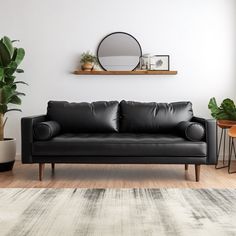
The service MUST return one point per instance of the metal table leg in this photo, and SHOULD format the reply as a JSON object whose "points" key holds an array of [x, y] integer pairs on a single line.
{"points": [[223, 133], [230, 155]]}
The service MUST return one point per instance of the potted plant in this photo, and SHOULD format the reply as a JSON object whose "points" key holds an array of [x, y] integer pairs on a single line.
{"points": [[226, 111], [10, 58], [88, 61]]}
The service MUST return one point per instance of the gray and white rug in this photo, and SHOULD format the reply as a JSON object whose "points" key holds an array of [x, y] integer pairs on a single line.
{"points": [[117, 212]]}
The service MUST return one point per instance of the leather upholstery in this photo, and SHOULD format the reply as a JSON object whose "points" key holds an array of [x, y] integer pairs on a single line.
{"points": [[119, 144], [120, 159], [119, 147], [210, 138], [46, 130], [82, 117], [153, 117], [192, 131], [27, 136]]}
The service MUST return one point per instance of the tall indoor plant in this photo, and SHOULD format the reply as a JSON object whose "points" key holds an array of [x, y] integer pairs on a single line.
{"points": [[10, 58]]}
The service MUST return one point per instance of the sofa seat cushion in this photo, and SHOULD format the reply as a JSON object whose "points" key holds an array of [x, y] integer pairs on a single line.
{"points": [[119, 144]]}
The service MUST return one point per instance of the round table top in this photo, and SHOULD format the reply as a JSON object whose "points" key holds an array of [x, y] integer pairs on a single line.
{"points": [[232, 131], [226, 124]]}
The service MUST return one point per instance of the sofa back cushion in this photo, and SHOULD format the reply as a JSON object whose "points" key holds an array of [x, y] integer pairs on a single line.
{"points": [[153, 117], [95, 117]]}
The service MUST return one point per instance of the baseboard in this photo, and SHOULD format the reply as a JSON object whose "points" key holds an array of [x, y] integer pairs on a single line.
{"points": [[18, 156]]}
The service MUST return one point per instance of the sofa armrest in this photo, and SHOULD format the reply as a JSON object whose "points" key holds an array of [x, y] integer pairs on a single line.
{"points": [[27, 136], [211, 138]]}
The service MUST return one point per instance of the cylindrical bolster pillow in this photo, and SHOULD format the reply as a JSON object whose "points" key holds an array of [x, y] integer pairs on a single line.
{"points": [[192, 131], [46, 130]]}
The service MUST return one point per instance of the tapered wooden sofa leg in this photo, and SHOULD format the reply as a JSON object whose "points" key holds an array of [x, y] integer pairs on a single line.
{"points": [[41, 170], [53, 166], [197, 172], [186, 166]]}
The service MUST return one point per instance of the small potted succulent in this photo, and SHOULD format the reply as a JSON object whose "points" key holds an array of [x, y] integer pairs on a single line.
{"points": [[10, 58], [88, 60]]}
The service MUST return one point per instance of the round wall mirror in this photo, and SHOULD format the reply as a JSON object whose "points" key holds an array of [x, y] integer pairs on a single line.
{"points": [[119, 51]]}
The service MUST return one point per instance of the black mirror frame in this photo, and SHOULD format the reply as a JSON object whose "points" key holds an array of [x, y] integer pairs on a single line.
{"points": [[118, 32]]}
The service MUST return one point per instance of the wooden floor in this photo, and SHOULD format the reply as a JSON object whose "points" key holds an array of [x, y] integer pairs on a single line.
{"points": [[116, 176]]}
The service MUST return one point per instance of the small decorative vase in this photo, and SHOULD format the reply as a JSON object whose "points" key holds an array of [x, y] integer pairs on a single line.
{"points": [[88, 66]]}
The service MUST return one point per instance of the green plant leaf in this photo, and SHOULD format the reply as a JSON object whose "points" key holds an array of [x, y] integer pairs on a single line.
{"points": [[1, 74], [229, 108], [9, 79], [20, 82], [221, 115], [88, 57], [3, 108], [19, 71], [5, 57], [226, 111], [228, 104], [212, 105], [18, 56], [15, 100], [15, 109], [19, 94], [10, 58], [7, 42], [14, 87], [7, 92], [11, 68]]}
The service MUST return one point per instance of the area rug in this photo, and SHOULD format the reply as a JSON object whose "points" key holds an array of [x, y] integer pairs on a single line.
{"points": [[117, 212]]}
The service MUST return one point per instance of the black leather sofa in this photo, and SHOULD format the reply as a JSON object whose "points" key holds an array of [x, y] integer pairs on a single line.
{"points": [[113, 132]]}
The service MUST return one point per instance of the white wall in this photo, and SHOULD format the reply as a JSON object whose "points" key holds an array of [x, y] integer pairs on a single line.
{"points": [[199, 35]]}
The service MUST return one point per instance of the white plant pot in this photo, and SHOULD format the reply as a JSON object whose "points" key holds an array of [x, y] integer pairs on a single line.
{"points": [[7, 154]]}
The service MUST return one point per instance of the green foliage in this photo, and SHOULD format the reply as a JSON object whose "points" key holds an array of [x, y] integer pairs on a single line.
{"points": [[88, 57], [10, 59], [226, 111]]}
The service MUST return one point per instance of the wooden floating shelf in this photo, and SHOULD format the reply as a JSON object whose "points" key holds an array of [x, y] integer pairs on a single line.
{"points": [[135, 72]]}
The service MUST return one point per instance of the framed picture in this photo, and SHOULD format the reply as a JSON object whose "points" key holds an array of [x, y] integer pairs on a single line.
{"points": [[160, 62], [145, 62]]}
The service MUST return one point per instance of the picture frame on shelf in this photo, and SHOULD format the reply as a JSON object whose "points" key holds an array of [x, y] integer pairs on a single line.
{"points": [[160, 62], [144, 62]]}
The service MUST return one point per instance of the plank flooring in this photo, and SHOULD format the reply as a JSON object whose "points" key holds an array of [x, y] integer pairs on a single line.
{"points": [[116, 176]]}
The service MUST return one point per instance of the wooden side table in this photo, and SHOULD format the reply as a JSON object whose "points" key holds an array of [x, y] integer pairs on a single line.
{"points": [[232, 136], [224, 125]]}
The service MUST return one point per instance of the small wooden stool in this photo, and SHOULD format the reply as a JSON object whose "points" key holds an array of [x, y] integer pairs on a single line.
{"points": [[232, 135]]}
